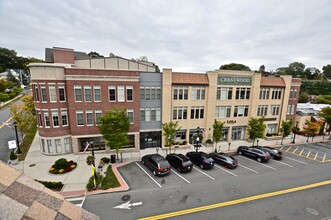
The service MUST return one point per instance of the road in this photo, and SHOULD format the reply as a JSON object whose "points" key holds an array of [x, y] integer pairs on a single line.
{"points": [[171, 193]]}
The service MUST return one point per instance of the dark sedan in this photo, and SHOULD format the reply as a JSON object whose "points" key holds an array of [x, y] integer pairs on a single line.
{"points": [[274, 153], [180, 162], [224, 159], [201, 159], [254, 152]]}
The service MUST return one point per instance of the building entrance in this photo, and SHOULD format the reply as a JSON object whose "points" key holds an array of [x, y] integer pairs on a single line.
{"points": [[238, 133]]}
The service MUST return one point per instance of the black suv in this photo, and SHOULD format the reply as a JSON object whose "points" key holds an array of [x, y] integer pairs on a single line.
{"points": [[254, 152], [180, 162], [156, 163], [201, 159]]}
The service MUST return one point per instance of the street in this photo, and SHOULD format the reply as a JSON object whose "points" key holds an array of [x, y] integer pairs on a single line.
{"points": [[211, 188]]}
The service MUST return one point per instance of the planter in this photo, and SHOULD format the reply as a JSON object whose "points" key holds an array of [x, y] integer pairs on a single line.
{"points": [[14, 162], [272, 138]]}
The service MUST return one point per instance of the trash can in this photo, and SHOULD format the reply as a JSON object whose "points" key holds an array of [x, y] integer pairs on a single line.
{"points": [[113, 158]]}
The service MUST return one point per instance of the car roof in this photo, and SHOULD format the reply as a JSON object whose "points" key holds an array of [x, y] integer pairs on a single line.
{"points": [[156, 157]]}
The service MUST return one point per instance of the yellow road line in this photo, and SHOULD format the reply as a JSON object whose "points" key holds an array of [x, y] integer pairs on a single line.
{"points": [[301, 152], [1, 126], [315, 156], [295, 150], [324, 158], [237, 201], [288, 148], [308, 154]]}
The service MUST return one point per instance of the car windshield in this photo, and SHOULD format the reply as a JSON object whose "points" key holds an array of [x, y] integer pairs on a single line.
{"points": [[186, 163], [183, 157], [164, 164]]}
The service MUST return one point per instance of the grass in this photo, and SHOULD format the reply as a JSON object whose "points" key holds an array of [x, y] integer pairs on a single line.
{"points": [[104, 182], [26, 143]]}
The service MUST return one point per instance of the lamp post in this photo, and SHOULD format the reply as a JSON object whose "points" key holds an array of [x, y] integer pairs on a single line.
{"points": [[17, 143], [296, 130], [229, 146], [197, 140], [257, 142]]}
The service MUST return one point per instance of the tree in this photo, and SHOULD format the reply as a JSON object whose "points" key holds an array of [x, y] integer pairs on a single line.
{"points": [[312, 128], [170, 130], [256, 128], [114, 126], [23, 114], [326, 114], [303, 97], [285, 129], [235, 66], [94, 54], [327, 71], [262, 69], [324, 99], [217, 132], [141, 59], [296, 69], [8, 59], [312, 73]]}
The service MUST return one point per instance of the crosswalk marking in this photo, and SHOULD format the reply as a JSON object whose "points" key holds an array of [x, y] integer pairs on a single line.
{"points": [[77, 200]]}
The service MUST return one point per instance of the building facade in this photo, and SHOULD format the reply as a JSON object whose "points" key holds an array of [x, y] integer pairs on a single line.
{"points": [[72, 91]]}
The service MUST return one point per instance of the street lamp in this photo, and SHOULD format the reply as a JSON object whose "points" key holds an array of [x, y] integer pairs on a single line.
{"points": [[197, 139], [295, 131], [229, 146], [257, 142], [17, 143]]}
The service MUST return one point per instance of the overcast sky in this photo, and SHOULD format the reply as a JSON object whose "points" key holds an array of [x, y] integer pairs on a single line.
{"points": [[185, 35]]}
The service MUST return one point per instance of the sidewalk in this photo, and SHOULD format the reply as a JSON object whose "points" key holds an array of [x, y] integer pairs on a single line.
{"points": [[36, 165]]}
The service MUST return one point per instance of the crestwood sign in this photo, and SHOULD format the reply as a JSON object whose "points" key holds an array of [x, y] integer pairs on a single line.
{"points": [[234, 80]]}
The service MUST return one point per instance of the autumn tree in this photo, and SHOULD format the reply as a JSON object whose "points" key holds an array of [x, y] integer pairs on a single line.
{"points": [[217, 132], [170, 130], [256, 128], [326, 114], [114, 125], [312, 128]]}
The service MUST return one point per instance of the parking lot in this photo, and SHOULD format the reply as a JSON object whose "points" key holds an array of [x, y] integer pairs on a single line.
{"points": [[139, 177]]}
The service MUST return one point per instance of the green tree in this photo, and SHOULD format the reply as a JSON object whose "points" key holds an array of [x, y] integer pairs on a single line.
{"points": [[94, 54], [8, 59], [327, 71], [170, 130], [235, 66], [114, 126], [262, 69], [285, 129], [326, 114], [303, 97], [3, 85], [296, 69], [324, 99], [217, 132], [256, 128]]}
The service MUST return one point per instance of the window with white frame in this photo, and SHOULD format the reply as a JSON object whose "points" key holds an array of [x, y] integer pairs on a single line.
{"points": [[292, 109], [98, 114], [224, 93], [112, 93], [130, 115], [36, 93], [198, 92], [78, 93], [158, 93], [62, 93], [180, 92], [197, 112], [55, 117], [276, 93], [43, 93], [49, 146], [153, 93], [179, 113], [64, 117], [129, 93], [181, 134], [243, 93], [58, 145], [150, 93], [223, 112], [67, 143], [289, 109], [240, 111], [295, 93], [52, 93], [291, 94], [88, 93], [262, 110], [43, 149], [264, 93], [158, 114], [79, 118], [46, 119], [120, 94], [271, 128], [89, 118], [97, 93], [150, 114], [274, 109], [40, 119]]}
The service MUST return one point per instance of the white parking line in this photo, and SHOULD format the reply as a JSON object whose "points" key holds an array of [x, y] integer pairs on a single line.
{"points": [[283, 163], [225, 170], [299, 161], [248, 168], [149, 175], [180, 176], [204, 173], [259, 163]]}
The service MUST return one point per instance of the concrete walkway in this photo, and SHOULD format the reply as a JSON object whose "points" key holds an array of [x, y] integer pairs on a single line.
{"points": [[36, 164]]}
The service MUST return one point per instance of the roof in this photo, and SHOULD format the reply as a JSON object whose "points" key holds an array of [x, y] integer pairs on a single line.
{"points": [[272, 81], [49, 55], [23, 198], [189, 78]]}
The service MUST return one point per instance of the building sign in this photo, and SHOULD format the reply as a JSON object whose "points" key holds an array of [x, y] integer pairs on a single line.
{"points": [[234, 80], [231, 121]]}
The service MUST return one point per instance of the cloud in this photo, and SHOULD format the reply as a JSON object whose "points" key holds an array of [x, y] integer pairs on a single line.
{"points": [[191, 36]]}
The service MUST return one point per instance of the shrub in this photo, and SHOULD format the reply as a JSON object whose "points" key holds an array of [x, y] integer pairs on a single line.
{"points": [[60, 163], [90, 184], [52, 185], [90, 160], [184, 142], [208, 141], [110, 180], [12, 156], [105, 159]]}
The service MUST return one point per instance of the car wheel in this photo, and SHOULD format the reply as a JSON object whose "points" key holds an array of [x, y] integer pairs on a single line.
{"points": [[240, 153], [201, 166], [154, 172], [143, 162], [259, 159]]}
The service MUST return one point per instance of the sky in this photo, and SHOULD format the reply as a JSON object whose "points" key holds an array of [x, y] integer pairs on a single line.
{"points": [[185, 35]]}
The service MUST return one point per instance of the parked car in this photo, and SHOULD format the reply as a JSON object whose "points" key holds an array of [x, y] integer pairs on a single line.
{"points": [[254, 152], [274, 153], [157, 164], [201, 159], [224, 159], [180, 162]]}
